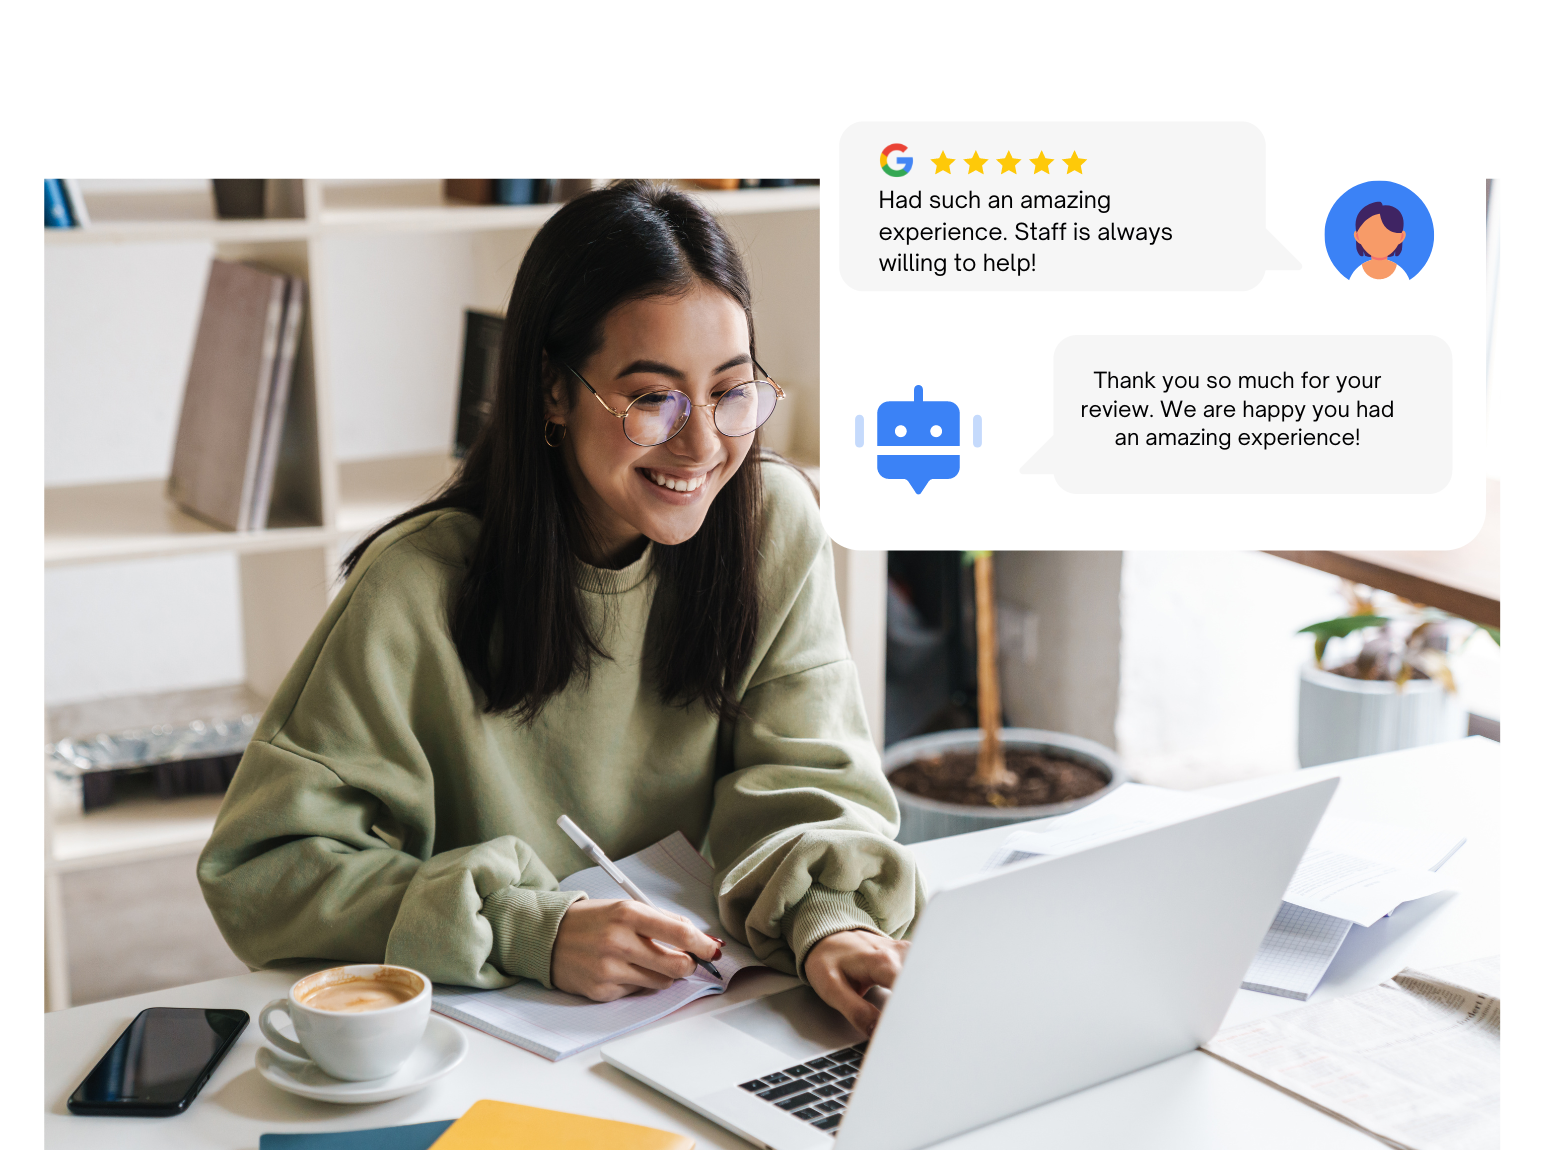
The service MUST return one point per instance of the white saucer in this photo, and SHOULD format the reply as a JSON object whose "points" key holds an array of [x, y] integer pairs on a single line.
{"points": [[443, 1047]]}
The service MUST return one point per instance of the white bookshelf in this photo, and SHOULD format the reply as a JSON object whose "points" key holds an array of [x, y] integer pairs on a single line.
{"points": [[353, 208], [98, 522], [342, 490]]}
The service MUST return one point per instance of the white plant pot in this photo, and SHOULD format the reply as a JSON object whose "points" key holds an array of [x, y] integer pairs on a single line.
{"points": [[1341, 718], [923, 819]]}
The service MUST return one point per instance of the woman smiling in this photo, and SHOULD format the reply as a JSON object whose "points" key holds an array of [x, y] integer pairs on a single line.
{"points": [[615, 611]]}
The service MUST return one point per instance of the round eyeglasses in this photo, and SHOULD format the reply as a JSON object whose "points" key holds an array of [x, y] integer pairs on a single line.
{"points": [[658, 416]]}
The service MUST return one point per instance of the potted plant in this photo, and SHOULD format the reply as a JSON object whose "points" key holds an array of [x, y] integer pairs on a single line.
{"points": [[951, 782], [1389, 685]]}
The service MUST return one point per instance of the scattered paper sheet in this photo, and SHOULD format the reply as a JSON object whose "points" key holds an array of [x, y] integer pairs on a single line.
{"points": [[1415, 1061], [1356, 888], [1128, 810], [1354, 872]]}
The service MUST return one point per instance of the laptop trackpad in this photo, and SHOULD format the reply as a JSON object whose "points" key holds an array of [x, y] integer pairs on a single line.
{"points": [[794, 1021]]}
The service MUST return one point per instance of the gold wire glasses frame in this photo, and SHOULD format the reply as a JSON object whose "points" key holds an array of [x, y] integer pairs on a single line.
{"points": [[682, 405]]}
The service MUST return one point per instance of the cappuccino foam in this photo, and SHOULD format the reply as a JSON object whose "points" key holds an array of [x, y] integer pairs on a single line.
{"points": [[353, 995]]}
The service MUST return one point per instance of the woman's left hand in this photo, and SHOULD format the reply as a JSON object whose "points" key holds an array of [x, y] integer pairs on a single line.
{"points": [[843, 967]]}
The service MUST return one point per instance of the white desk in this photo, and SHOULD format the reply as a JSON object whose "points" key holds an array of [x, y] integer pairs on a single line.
{"points": [[1192, 1102]]}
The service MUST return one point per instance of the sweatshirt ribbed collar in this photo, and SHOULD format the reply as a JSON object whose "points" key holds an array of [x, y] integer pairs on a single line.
{"points": [[604, 581]]}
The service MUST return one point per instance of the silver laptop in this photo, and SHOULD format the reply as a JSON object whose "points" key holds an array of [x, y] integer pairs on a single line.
{"points": [[1022, 985]]}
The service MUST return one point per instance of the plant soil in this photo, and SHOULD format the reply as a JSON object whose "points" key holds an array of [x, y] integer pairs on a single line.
{"points": [[1038, 779], [1378, 674]]}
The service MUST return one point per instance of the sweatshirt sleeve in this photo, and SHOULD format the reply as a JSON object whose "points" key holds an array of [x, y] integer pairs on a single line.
{"points": [[325, 844], [803, 829]]}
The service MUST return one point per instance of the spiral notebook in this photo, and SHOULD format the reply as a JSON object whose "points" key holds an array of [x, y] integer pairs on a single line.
{"points": [[556, 1025]]}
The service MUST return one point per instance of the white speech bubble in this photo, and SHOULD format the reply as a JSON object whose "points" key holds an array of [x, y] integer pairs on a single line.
{"points": [[1305, 414], [1043, 207], [1015, 350]]}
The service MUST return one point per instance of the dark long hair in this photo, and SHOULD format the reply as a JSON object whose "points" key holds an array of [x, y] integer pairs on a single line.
{"points": [[517, 618], [1389, 215]]}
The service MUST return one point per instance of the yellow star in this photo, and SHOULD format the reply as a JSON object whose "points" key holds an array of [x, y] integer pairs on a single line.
{"points": [[1009, 163], [974, 164], [942, 164], [1042, 164], [1075, 164]]}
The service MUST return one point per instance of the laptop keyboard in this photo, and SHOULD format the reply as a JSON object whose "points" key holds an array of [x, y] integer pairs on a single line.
{"points": [[816, 1089]]}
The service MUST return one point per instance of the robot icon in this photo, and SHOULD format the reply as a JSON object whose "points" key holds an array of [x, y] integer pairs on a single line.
{"points": [[918, 423]]}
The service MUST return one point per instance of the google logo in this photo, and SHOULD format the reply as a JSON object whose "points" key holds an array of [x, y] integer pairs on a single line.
{"points": [[903, 163]]}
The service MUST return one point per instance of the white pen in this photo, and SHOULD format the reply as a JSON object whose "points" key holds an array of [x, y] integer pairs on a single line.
{"points": [[585, 843]]}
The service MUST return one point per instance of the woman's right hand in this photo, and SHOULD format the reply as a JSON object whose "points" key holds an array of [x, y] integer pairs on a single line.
{"points": [[607, 948]]}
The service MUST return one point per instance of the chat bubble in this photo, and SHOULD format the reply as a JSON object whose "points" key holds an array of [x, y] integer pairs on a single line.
{"points": [[1366, 415], [1191, 217], [1054, 207]]}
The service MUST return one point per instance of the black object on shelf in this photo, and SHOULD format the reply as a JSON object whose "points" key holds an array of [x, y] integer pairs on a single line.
{"points": [[239, 199], [164, 780], [479, 375], [161, 761]]}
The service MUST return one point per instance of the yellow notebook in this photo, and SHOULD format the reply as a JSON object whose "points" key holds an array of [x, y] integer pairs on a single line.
{"points": [[507, 1126]]}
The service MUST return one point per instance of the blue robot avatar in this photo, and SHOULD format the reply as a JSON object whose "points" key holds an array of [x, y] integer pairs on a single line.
{"points": [[918, 423]]}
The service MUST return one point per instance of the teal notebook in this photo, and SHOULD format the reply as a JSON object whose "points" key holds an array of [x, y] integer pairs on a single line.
{"points": [[419, 1136]]}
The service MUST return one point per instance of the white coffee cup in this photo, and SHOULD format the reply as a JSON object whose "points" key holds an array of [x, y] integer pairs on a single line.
{"points": [[353, 1044]]}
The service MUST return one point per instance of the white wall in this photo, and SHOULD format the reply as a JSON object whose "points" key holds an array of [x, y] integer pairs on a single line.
{"points": [[141, 627], [395, 319], [118, 328], [782, 253], [1061, 638], [1210, 660]]}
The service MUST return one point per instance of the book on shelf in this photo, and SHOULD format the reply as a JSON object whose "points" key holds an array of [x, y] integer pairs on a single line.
{"points": [[56, 207], [74, 203], [517, 191], [284, 199], [278, 401], [509, 192], [236, 396], [239, 199], [479, 375], [470, 191], [77, 199], [259, 199]]}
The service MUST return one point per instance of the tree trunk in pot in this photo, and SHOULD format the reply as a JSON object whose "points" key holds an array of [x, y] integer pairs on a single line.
{"points": [[990, 768]]}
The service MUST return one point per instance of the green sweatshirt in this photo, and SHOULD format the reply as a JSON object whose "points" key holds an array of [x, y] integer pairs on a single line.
{"points": [[380, 815]]}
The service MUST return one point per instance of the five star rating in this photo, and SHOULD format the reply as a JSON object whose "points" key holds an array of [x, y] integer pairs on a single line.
{"points": [[1008, 163]]}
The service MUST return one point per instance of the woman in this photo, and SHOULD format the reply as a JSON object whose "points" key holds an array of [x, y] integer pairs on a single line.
{"points": [[1380, 232], [614, 611]]}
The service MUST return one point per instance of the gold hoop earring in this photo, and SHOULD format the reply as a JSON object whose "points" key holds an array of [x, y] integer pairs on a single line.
{"points": [[547, 433]]}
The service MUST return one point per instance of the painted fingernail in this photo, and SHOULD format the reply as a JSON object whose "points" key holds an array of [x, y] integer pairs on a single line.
{"points": [[716, 953], [720, 941]]}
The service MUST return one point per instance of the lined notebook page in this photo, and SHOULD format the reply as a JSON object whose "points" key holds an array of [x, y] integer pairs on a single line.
{"points": [[554, 1024]]}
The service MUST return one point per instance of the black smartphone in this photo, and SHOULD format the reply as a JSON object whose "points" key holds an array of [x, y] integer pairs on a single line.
{"points": [[160, 1063]]}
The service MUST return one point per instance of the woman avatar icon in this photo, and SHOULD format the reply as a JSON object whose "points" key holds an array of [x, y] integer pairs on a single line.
{"points": [[1380, 233], [1391, 233]]}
